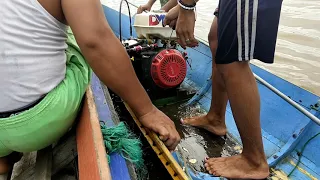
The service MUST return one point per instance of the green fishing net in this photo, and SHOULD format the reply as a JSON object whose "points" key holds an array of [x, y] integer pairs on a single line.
{"points": [[120, 140]]}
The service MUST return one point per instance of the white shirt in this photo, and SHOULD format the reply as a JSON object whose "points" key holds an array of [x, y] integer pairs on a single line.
{"points": [[32, 53]]}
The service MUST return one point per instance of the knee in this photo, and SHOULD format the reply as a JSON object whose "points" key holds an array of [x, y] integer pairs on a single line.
{"points": [[213, 42], [233, 70]]}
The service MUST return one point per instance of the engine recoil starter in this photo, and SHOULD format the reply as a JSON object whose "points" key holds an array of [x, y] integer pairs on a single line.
{"points": [[168, 68]]}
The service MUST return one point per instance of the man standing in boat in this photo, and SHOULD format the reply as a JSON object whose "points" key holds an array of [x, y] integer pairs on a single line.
{"points": [[245, 30], [44, 74]]}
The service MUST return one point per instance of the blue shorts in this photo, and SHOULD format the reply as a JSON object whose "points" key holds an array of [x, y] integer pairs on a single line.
{"points": [[247, 29]]}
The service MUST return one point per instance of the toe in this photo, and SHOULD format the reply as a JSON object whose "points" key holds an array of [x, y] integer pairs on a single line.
{"points": [[206, 165], [208, 168], [183, 121], [186, 120], [210, 161]]}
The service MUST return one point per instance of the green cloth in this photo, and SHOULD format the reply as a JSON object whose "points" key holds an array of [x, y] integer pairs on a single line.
{"points": [[163, 2], [49, 120]]}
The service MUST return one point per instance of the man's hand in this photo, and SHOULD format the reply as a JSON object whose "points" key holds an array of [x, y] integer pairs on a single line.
{"points": [[185, 28], [171, 17], [158, 122], [146, 7], [183, 22]]}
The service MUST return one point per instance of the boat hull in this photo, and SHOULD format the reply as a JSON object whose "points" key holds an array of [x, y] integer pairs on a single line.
{"points": [[285, 130]]}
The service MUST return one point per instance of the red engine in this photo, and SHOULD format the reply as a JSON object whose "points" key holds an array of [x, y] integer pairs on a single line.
{"points": [[158, 65], [168, 68]]}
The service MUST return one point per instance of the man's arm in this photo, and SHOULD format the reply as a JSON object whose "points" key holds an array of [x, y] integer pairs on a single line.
{"points": [[151, 2], [109, 60], [146, 7], [105, 53], [169, 5], [172, 3]]}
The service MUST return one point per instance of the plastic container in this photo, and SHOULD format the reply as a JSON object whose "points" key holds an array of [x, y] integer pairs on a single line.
{"points": [[149, 25]]}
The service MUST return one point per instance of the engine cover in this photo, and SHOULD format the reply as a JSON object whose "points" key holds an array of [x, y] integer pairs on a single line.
{"points": [[168, 68]]}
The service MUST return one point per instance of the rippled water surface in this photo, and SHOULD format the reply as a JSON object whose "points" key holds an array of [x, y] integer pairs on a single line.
{"points": [[298, 45]]}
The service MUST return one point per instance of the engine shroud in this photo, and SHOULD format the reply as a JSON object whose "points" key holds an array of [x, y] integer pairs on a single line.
{"points": [[168, 68]]}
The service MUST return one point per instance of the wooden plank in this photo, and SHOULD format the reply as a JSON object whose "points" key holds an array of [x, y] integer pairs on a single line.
{"points": [[63, 153], [44, 164], [161, 150], [92, 161], [24, 169]]}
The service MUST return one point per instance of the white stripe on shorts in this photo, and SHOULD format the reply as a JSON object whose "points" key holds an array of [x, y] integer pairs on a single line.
{"points": [[239, 30], [246, 30], [245, 38]]}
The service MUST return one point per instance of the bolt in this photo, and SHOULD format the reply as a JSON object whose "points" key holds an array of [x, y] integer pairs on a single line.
{"points": [[294, 136], [275, 157]]}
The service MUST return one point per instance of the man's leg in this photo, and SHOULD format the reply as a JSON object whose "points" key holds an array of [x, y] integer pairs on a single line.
{"points": [[214, 121], [245, 104], [4, 165], [7, 162], [243, 36]]}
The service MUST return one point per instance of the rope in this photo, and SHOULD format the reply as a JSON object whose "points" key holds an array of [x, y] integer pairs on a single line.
{"points": [[118, 139], [299, 160]]}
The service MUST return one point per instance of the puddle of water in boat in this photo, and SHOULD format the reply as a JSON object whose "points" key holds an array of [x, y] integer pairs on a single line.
{"points": [[196, 144]]}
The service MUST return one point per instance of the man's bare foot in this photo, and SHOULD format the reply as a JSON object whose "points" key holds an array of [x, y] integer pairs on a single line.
{"points": [[214, 125], [238, 167]]}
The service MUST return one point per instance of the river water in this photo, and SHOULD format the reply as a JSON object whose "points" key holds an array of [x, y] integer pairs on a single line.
{"points": [[297, 57]]}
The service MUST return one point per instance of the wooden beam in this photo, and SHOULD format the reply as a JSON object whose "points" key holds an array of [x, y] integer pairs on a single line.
{"points": [[63, 154], [44, 164], [92, 161]]}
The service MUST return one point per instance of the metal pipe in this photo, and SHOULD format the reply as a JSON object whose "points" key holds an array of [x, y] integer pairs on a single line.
{"points": [[290, 101]]}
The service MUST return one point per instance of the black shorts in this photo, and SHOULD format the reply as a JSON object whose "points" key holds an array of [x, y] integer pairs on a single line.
{"points": [[247, 29]]}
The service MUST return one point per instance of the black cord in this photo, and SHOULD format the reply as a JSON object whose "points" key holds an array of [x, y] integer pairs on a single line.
{"points": [[299, 160], [120, 9]]}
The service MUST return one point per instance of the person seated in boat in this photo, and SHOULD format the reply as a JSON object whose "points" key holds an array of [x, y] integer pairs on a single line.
{"points": [[240, 32], [44, 73]]}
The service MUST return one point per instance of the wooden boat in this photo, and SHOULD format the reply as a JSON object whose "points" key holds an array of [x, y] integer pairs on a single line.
{"points": [[289, 114], [289, 117]]}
